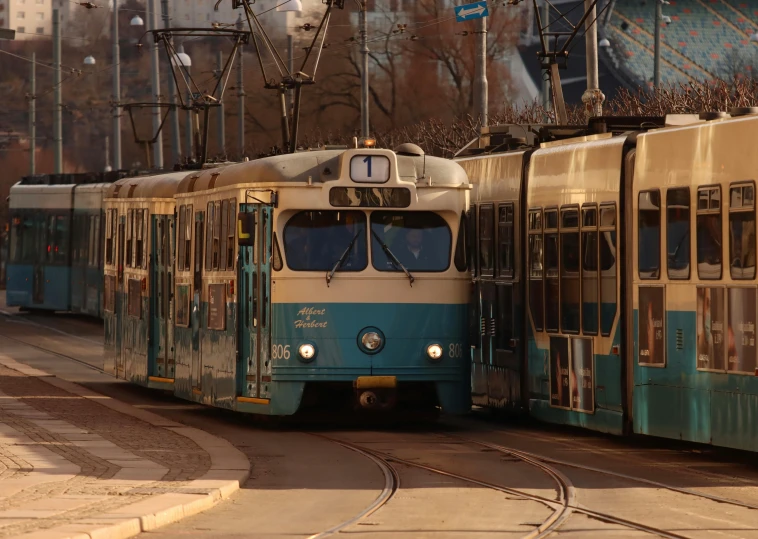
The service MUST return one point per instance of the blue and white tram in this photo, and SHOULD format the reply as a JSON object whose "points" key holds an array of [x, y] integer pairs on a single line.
{"points": [[319, 279]]}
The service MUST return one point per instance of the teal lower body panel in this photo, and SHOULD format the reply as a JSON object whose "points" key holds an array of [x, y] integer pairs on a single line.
{"points": [[607, 415], [135, 345], [680, 402], [608, 421]]}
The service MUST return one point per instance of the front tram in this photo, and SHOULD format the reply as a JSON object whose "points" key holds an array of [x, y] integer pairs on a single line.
{"points": [[319, 280]]}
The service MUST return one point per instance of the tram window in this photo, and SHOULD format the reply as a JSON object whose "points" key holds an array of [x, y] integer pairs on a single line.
{"points": [[486, 241], [181, 230], [505, 240], [607, 259], [230, 233], [92, 241], [129, 229], [419, 240], [97, 241], [742, 231], [552, 296], [216, 236], [471, 244], [649, 243], [109, 236], [460, 245], [570, 272], [536, 285], [61, 231], [316, 240], [551, 219], [224, 236], [276, 261], [189, 218], [709, 248], [589, 271], [210, 223], [678, 233], [139, 223]]}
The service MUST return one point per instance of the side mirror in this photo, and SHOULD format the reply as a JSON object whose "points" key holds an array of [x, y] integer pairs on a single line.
{"points": [[246, 229]]}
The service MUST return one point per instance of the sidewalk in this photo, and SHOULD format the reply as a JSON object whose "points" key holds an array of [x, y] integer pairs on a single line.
{"points": [[74, 463]]}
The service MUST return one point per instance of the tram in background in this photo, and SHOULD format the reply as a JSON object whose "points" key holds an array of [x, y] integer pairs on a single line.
{"points": [[318, 280], [636, 284], [54, 260]]}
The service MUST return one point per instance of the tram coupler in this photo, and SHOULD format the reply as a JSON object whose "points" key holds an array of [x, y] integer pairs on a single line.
{"points": [[377, 398]]}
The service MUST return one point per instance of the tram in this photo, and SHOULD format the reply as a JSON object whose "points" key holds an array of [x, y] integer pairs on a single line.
{"points": [[319, 279], [55, 260], [636, 277]]}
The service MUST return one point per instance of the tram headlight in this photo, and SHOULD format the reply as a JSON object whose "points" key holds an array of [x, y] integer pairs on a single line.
{"points": [[434, 351], [306, 352], [371, 341]]}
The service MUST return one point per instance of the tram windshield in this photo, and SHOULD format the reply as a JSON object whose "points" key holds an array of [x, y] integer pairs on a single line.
{"points": [[420, 241], [316, 241]]}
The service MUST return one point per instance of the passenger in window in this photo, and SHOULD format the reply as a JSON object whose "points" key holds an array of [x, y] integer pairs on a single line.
{"points": [[414, 253]]}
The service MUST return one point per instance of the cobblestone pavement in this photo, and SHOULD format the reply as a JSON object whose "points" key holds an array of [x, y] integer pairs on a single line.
{"points": [[68, 459]]}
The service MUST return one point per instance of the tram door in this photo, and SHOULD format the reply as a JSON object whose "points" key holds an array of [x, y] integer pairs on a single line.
{"points": [[162, 343], [121, 303], [254, 300], [197, 305]]}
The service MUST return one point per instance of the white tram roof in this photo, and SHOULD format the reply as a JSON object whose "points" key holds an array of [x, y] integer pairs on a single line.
{"points": [[90, 196], [156, 186], [42, 197], [319, 166]]}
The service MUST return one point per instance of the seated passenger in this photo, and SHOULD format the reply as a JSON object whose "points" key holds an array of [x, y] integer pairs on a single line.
{"points": [[414, 254]]}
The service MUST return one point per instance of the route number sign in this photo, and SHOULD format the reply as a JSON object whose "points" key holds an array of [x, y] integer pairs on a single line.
{"points": [[369, 169]]}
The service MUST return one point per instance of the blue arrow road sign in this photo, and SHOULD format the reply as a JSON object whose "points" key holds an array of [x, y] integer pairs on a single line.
{"points": [[468, 12]]}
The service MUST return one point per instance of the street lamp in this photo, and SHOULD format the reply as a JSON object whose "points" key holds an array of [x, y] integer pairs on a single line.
{"points": [[89, 60], [137, 21], [604, 43]]}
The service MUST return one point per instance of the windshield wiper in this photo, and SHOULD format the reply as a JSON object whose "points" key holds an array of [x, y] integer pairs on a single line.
{"points": [[343, 257], [394, 259]]}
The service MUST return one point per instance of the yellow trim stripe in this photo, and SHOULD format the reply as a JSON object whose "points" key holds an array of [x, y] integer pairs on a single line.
{"points": [[196, 391], [365, 382], [160, 380], [253, 400]]}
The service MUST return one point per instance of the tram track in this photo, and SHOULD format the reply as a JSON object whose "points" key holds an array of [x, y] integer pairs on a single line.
{"points": [[563, 507], [601, 471]]}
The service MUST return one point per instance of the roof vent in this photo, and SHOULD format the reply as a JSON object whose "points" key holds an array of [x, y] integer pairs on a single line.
{"points": [[743, 111], [713, 115], [409, 149]]}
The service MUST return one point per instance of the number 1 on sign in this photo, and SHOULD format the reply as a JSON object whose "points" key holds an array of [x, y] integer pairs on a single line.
{"points": [[368, 165]]}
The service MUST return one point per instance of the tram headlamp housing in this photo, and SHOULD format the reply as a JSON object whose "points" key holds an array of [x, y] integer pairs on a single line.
{"points": [[306, 352], [371, 341], [434, 351]]}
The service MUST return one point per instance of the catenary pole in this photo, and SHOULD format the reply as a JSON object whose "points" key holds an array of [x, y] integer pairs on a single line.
{"points": [[364, 70], [57, 96], [592, 98], [33, 117], [155, 83], [241, 98], [657, 48], [116, 91], [480, 70], [176, 145], [220, 110]]}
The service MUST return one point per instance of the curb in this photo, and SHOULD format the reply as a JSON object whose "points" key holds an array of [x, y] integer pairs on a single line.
{"points": [[229, 469]]}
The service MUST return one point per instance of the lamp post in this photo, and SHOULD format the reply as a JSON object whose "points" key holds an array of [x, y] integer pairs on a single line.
{"points": [[592, 98], [657, 50]]}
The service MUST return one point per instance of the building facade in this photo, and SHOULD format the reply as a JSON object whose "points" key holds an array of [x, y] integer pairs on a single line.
{"points": [[31, 19]]}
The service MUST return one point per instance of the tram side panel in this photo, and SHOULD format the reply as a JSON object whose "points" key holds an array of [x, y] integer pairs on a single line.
{"points": [[498, 366], [39, 274], [575, 323], [694, 292]]}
